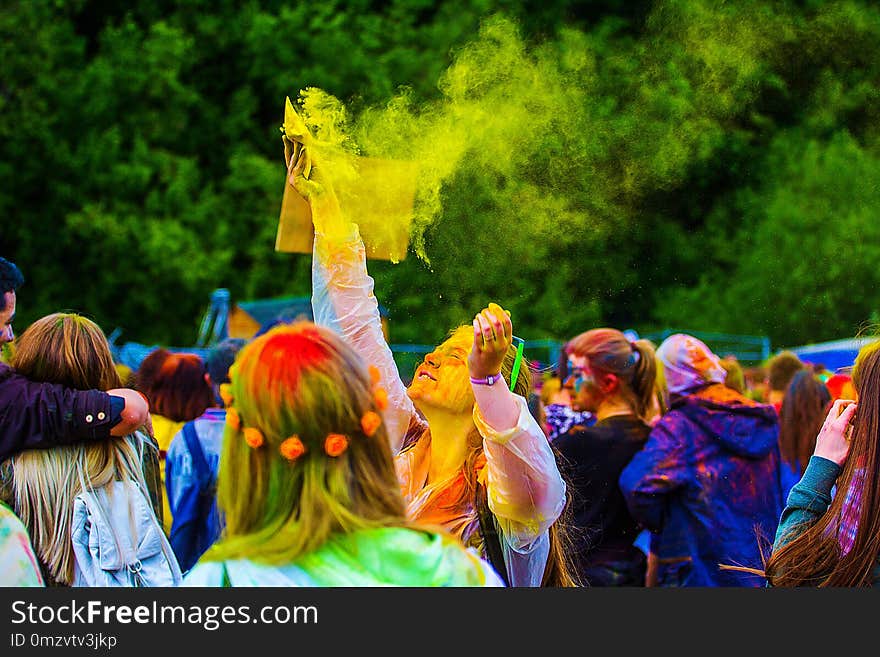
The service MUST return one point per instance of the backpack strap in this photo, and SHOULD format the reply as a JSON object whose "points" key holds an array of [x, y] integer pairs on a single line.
{"points": [[489, 531], [200, 464]]}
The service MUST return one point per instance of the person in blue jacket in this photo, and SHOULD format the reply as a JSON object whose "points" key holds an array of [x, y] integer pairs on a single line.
{"points": [[193, 462], [707, 481]]}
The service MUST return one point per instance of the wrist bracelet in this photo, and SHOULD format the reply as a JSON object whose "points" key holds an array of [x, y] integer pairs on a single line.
{"points": [[488, 381]]}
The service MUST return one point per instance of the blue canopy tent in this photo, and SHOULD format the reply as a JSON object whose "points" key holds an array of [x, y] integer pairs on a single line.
{"points": [[833, 355]]}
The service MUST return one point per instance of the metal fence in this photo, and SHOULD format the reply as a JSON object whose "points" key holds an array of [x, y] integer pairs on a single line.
{"points": [[748, 349]]}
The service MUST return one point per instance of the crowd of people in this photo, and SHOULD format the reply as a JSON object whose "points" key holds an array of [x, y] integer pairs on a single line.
{"points": [[301, 458]]}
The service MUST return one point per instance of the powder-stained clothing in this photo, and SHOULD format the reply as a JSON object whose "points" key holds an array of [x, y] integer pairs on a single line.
{"points": [[560, 419], [525, 490], [46, 414], [511, 461], [593, 459], [19, 563], [707, 484], [389, 556]]}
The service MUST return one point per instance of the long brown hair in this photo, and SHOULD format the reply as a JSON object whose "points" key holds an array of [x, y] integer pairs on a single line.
{"points": [[812, 555], [175, 384], [71, 350], [800, 418], [609, 351]]}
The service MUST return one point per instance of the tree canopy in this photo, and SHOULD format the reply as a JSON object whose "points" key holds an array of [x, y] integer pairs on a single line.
{"points": [[690, 163]]}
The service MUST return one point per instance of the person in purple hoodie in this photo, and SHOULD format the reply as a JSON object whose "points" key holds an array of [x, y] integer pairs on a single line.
{"points": [[707, 482]]}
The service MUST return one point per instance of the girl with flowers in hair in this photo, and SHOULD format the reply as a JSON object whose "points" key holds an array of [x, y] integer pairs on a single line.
{"points": [[469, 455], [307, 483]]}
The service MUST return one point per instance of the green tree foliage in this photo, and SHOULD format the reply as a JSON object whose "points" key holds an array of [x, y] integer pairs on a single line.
{"points": [[712, 165]]}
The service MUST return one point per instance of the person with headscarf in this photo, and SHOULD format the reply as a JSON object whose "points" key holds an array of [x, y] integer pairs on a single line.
{"points": [[707, 481]]}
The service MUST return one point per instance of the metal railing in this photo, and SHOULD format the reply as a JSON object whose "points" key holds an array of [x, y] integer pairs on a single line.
{"points": [[748, 349]]}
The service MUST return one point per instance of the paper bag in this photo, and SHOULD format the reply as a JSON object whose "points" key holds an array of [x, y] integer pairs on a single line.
{"points": [[379, 200]]}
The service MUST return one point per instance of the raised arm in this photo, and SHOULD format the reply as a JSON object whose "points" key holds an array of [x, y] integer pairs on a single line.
{"points": [[809, 499], [525, 489], [654, 473], [36, 415], [342, 293]]}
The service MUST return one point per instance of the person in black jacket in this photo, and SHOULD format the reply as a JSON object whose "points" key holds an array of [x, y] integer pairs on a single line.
{"points": [[42, 414], [614, 379]]}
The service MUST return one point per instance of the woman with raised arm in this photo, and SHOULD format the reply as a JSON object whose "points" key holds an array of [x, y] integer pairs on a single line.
{"points": [[831, 540], [469, 455]]}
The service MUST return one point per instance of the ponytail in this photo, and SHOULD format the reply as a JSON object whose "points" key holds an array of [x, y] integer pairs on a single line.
{"points": [[644, 378]]}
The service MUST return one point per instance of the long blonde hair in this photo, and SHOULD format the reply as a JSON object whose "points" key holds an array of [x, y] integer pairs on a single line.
{"points": [[71, 350]]}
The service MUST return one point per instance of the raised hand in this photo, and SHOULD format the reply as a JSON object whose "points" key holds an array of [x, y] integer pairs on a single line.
{"points": [[493, 335], [312, 182], [833, 440]]}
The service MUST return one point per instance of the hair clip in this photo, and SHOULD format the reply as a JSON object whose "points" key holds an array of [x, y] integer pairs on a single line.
{"points": [[292, 448], [381, 398], [233, 421], [370, 422], [335, 444], [253, 437], [226, 394]]}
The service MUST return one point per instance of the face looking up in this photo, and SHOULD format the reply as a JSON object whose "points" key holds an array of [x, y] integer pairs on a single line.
{"points": [[442, 380]]}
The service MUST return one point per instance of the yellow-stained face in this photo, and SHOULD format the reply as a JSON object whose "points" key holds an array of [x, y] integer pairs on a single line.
{"points": [[442, 380]]}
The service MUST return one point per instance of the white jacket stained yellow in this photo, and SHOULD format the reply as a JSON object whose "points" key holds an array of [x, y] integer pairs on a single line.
{"points": [[525, 490]]}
